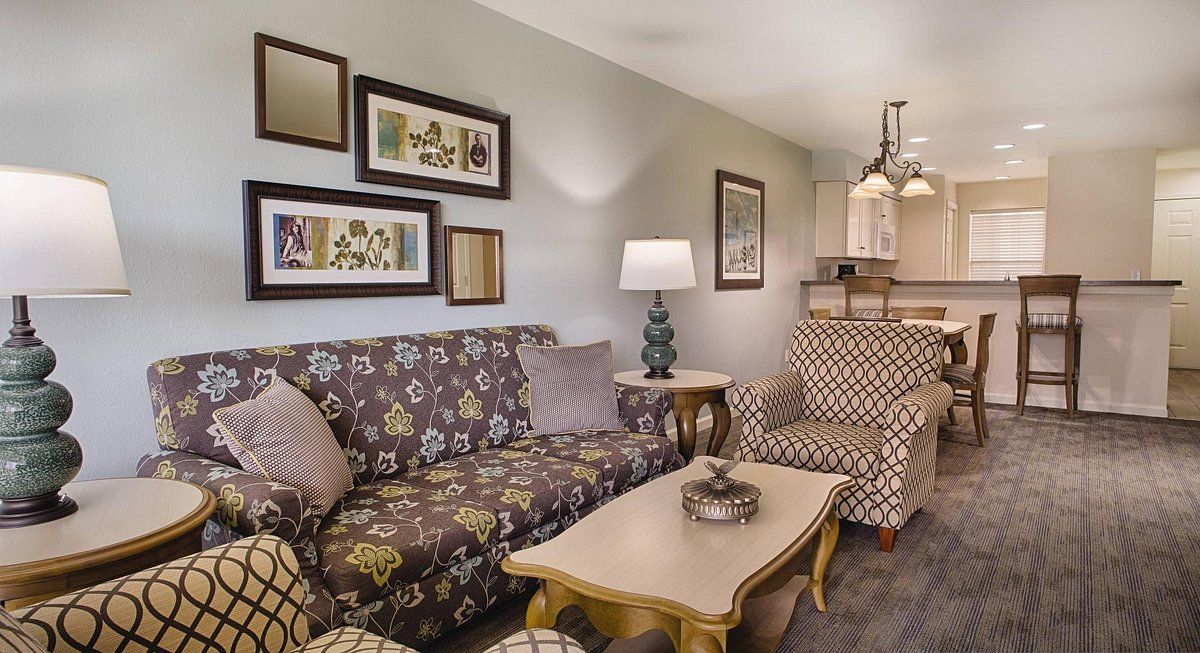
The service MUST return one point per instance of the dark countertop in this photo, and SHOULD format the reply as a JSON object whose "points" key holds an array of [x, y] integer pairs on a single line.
{"points": [[934, 282]]}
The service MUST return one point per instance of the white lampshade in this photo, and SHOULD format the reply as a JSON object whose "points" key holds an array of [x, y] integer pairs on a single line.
{"points": [[657, 264], [877, 182], [59, 238], [917, 186], [860, 193]]}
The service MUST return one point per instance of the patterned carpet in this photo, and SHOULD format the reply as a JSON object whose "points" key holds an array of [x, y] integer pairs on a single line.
{"points": [[1061, 535]]}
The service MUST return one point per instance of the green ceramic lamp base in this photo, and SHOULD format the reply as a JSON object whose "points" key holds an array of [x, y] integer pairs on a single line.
{"points": [[658, 354]]}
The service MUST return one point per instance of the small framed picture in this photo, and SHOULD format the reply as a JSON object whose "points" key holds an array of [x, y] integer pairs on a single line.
{"points": [[406, 137], [300, 94], [304, 243], [474, 266], [739, 239]]}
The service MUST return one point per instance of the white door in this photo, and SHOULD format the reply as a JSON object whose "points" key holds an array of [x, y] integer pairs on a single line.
{"points": [[1176, 255], [948, 241]]}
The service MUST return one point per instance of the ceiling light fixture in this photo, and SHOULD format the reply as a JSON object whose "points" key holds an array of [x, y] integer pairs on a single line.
{"points": [[1033, 125], [1003, 146], [930, 169], [875, 176], [1003, 177], [1014, 161], [918, 139], [909, 155]]}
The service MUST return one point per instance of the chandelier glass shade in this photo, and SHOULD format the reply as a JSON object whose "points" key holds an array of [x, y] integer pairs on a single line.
{"points": [[879, 177]]}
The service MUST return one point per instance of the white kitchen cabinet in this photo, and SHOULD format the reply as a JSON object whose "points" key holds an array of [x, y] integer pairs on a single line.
{"points": [[846, 227]]}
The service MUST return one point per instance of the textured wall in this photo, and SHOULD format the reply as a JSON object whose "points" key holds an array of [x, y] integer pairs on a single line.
{"points": [[157, 99]]}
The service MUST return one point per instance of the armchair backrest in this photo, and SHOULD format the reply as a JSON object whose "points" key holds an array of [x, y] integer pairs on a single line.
{"points": [[393, 402], [852, 371]]}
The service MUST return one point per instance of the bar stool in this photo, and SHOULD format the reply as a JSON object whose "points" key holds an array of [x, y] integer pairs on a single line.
{"points": [[867, 284], [919, 312], [968, 381], [1064, 324]]}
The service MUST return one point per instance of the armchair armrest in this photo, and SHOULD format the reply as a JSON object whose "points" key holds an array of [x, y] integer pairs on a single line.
{"points": [[246, 596], [766, 404], [644, 410], [247, 504], [907, 461]]}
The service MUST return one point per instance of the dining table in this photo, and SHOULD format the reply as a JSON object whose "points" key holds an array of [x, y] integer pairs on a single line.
{"points": [[952, 333]]}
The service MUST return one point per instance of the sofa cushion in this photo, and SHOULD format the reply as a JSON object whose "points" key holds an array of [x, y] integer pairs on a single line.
{"points": [[385, 535], [525, 489], [1048, 321], [420, 397], [625, 459], [822, 447]]}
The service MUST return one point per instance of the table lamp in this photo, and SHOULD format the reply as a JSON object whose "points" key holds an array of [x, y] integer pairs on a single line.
{"points": [[59, 240], [658, 264]]}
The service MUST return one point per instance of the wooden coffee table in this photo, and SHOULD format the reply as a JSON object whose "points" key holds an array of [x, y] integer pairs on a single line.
{"points": [[639, 564]]}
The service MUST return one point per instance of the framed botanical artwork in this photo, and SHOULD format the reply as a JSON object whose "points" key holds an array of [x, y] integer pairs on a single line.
{"points": [[406, 137], [304, 243], [300, 94], [739, 231], [474, 266]]}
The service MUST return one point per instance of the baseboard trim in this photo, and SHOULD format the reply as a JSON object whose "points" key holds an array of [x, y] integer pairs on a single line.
{"points": [[1144, 410]]}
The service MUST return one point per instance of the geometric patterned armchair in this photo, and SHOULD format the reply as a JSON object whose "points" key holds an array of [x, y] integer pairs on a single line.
{"points": [[861, 399], [244, 597]]}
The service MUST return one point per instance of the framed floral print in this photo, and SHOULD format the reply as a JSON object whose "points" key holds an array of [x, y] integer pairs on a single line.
{"points": [[304, 243], [739, 231], [406, 137]]}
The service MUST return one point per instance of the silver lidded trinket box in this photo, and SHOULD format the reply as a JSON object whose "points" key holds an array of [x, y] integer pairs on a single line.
{"points": [[720, 496]]}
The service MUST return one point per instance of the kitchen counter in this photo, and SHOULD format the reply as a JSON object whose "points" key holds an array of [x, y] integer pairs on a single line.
{"points": [[1125, 353]]}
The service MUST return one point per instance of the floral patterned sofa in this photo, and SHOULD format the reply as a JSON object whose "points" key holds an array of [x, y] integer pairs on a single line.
{"points": [[448, 477]]}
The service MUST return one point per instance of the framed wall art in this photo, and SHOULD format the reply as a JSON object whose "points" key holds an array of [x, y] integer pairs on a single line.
{"points": [[304, 243], [474, 266], [406, 137], [300, 94], [740, 202]]}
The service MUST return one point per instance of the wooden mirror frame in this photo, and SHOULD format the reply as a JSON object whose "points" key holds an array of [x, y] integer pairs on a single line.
{"points": [[449, 263], [261, 43]]}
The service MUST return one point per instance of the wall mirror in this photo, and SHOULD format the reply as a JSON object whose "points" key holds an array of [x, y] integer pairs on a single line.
{"points": [[474, 266], [300, 94]]}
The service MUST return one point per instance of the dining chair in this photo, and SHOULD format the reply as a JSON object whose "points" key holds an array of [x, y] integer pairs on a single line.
{"points": [[1066, 324], [919, 312], [864, 318], [968, 381], [820, 313], [867, 284]]}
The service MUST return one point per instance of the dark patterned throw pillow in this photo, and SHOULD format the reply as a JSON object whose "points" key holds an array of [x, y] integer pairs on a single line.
{"points": [[571, 388]]}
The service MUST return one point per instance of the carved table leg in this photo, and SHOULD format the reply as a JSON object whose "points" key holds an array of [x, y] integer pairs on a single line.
{"points": [[821, 554], [697, 640], [958, 349], [720, 428], [684, 410], [540, 614]]}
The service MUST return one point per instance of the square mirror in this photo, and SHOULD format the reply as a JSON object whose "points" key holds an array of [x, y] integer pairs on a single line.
{"points": [[300, 94], [474, 266]]}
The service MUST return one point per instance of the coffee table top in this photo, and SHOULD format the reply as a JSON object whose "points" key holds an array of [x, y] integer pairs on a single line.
{"points": [[641, 549]]}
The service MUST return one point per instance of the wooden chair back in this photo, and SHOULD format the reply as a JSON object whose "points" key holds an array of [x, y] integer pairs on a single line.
{"points": [[983, 347], [920, 312], [820, 313], [1049, 285], [863, 318], [867, 284]]}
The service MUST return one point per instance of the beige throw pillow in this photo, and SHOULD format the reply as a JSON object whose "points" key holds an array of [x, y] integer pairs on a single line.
{"points": [[282, 436], [571, 388]]}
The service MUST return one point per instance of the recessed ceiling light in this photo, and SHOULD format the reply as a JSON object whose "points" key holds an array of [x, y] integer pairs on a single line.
{"points": [[1003, 177], [918, 139], [910, 155], [1014, 161], [1034, 125], [928, 169], [1003, 146]]}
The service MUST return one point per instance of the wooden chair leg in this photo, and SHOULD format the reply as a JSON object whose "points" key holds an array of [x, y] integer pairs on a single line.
{"points": [[1022, 369], [887, 536], [1069, 375], [1075, 385], [977, 413], [951, 417]]}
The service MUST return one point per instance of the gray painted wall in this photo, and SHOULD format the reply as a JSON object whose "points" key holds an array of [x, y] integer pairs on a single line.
{"points": [[157, 99]]}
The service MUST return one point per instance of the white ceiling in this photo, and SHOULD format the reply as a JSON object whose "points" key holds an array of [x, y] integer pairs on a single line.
{"points": [[1104, 75]]}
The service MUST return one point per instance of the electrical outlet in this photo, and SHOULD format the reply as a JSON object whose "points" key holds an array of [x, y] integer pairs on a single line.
{"points": [[1136, 275]]}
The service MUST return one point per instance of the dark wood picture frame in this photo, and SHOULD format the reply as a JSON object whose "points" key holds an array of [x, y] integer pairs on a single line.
{"points": [[264, 41], [448, 274], [255, 191], [365, 86], [740, 284]]}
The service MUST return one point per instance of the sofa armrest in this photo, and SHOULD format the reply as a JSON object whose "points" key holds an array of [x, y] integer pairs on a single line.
{"points": [[644, 410], [766, 404], [246, 503], [246, 596]]}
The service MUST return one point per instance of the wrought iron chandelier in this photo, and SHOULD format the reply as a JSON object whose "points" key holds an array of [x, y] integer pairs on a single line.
{"points": [[876, 179]]}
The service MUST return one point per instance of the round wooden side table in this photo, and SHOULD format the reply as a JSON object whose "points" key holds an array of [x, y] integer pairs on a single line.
{"points": [[690, 390], [123, 525]]}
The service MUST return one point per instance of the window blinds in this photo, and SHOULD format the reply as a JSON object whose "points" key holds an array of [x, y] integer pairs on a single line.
{"points": [[1010, 242]]}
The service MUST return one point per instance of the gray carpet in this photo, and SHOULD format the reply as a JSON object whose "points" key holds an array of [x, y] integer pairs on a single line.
{"points": [[1060, 535]]}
